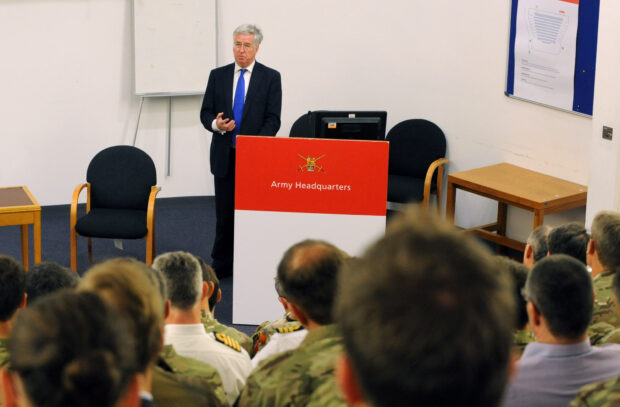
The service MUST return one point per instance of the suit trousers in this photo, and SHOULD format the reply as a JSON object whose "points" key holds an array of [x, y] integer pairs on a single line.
{"points": [[222, 253]]}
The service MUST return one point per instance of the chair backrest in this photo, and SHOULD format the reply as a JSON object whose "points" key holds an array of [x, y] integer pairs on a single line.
{"points": [[121, 177], [414, 145], [303, 126]]}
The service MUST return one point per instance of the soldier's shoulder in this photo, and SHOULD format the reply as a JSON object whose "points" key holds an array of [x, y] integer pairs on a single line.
{"points": [[170, 388], [599, 394]]}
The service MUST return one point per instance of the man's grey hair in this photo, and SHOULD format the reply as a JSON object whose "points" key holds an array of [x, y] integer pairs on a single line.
{"points": [[249, 29], [183, 277], [538, 241]]}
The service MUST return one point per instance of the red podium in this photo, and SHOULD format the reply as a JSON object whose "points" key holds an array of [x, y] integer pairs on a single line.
{"points": [[291, 189]]}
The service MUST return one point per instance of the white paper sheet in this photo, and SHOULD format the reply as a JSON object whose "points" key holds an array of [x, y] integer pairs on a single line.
{"points": [[545, 46]]}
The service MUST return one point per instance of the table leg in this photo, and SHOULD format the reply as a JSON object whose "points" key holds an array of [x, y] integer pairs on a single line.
{"points": [[538, 218], [37, 238], [450, 201], [25, 246], [502, 212]]}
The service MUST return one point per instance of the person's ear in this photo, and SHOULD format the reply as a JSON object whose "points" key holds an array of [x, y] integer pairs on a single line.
{"points": [[345, 376], [219, 295], [167, 306], [7, 384], [205, 291], [284, 303], [591, 247], [210, 288], [533, 314], [22, 305]]}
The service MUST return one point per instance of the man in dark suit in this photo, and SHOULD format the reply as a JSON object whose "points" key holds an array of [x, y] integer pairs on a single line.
{"points": [[244, 98]]}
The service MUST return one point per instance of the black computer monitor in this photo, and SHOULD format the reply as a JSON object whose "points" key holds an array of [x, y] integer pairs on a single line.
{"points": [[353, 128]]}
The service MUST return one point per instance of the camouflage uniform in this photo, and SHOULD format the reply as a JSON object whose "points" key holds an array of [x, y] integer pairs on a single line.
{"points": [[296, 377], [212, 325], [184, 382], [4, 351], [4, 360], [521, 338], [599, 331], [263, 333], [601, 394], [604, 307]]}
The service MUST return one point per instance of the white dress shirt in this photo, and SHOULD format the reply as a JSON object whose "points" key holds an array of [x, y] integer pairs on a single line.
{"points": [[279, 343], [191, 340], [247, 75]]}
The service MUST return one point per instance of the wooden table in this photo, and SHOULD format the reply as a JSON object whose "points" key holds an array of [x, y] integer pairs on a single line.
{"points": [[18, 207], [516, 186]]}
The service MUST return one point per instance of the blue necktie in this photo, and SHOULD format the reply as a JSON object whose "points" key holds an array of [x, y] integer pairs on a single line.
{"points": [[238, 105]]}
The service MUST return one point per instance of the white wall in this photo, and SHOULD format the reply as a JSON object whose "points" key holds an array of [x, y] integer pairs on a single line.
{"points": [[70, 88]]}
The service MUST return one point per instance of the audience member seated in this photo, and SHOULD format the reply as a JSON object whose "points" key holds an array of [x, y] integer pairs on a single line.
{"points": [[47, 277], [12, 298], [518, 273], [70, 349], [207, 308], [571, 239], [129, 286], [536, 247], [308, 272], [262, 335], [184, 329], [282, 339], [181, 381], [426, 318], [603, 256], [559, 304], [607, 392]]}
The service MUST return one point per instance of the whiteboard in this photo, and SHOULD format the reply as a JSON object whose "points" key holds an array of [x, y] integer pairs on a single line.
{"points": [[174, 46]]}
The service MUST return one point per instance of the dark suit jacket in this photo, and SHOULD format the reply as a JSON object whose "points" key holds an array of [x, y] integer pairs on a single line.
{"points": [[261, 111]]}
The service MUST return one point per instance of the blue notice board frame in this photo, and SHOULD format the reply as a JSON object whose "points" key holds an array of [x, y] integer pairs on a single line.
{"points": [[585, 58]]}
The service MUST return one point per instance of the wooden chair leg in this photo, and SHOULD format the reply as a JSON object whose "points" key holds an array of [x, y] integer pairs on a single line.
{"points": [[90, 250], [150, 248], [73, 239]]}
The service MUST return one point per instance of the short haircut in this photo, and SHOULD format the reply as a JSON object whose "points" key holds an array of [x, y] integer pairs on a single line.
{"points": [[12, 286], [518, 274], [308, 273], [125, 284], [571, 239], [249, 29], [426, 318], [48, 277], [538, 241], [183, 277], [71, 349], [560, 288], [209, 276], [606, 234]]}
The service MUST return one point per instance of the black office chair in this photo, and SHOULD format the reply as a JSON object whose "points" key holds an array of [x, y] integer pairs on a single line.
{"points": [[417, 150], [120, 201], [303, 126]]}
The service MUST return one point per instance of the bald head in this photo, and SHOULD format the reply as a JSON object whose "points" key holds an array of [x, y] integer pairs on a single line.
{"points": [[307, 273]]}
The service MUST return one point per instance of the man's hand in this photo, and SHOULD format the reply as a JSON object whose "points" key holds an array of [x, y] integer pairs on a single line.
{"points": [[224, 124]]}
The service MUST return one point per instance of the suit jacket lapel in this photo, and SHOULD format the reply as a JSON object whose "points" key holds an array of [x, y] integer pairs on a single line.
{"points": [[228, 86], [255, 81]]}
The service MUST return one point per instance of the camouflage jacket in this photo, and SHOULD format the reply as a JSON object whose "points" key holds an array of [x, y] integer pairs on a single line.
{"points": [[604, 309], [184, 382], [521, 338], [212, 325], [299, 376], [263, 333], [601, 394], [4, 351], [601, 333]]}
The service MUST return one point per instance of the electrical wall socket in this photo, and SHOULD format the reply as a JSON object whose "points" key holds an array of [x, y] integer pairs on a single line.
{"points": [[608, 133]]}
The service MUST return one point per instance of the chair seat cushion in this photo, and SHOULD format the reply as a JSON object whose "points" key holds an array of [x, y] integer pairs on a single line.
{"points": [[113, 223], [405, 189]]}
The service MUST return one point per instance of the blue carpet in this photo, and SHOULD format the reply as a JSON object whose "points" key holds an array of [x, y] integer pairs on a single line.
{"points": [[186, 224]]}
